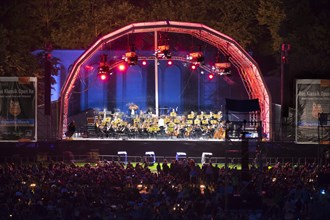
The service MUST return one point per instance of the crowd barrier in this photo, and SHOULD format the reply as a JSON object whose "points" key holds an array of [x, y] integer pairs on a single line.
{"points": [[93, 157]]}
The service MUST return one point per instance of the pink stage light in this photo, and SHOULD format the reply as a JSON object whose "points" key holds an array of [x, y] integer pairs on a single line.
{"points": [[122, 67], [103, 76]]}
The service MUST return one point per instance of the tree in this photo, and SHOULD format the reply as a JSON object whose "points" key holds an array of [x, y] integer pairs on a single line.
{"points": [[307, 29], [271, 14], [16, 41], [82, 22]]}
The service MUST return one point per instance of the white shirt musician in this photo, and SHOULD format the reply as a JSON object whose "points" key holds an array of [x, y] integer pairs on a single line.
{"points": [[161, 122]]}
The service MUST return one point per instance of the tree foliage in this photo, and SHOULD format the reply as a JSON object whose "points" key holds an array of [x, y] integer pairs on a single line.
{"points": [[307, 29], [258, 25], [271, 14]]}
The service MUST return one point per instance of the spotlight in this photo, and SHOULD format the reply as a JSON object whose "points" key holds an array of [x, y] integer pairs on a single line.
{"points": [[193, 67], [103, 72], [144, 62], [169, 62], [89, 68], [196, 57], [163, 51], [121, 67], [210, 76], [227, 71], [167, 54], [131, 58], [222, 67], [103, 76]]}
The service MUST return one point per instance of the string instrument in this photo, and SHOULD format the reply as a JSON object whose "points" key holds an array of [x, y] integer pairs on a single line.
{"points": [[177, 132], [219, 133], [188, 131]]}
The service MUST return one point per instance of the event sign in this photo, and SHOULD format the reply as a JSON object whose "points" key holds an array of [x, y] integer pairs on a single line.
{"points": [[18, 104], [312, 98]]}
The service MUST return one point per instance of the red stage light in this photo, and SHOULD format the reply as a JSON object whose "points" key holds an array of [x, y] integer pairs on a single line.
{"points": [[193, 67], [103, 76], [89, 68], [144, 62], [122, 67], [211, 76], [169, 62]]}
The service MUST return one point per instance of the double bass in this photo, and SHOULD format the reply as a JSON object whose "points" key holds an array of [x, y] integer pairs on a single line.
{"points": [[219, 133]]}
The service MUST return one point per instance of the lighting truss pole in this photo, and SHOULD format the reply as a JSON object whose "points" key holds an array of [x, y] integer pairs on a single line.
{"points": [[156, 76], [285, 48]]}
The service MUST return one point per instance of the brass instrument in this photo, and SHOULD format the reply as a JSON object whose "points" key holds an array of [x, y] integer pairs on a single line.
{"points": [[213, 122], [205, 122], [200, 116], [177, 121], [167, 120], [197, 122], [170, 128]]}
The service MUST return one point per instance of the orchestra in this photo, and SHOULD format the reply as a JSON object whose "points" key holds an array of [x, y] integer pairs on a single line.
{"points": [[194, 126]]}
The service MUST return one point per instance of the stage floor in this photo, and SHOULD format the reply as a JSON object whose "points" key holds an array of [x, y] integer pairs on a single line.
{"points": [[151, 139]]}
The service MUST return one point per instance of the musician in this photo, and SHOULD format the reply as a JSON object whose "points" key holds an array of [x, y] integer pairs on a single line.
{"points": [[132, 130], [197, 131], [188, 131], [170, 127], [182, 130], [107, 130], [161, 125], [99, 129]]}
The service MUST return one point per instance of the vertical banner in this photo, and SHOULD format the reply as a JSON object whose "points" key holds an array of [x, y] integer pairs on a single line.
{"points": [[312, 98], [18, 104]]}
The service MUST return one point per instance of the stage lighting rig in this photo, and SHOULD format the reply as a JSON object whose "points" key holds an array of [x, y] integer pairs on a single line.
{"points": [[131, 58], [163, 52], [103, 69], [222, 67], [196, 57]]}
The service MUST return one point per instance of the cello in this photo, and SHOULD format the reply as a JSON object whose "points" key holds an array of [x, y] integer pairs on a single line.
{"points": [[219, 133]]}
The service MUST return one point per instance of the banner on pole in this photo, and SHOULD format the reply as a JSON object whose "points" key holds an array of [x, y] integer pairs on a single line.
{"points": [[18, 105], [312, 98]]}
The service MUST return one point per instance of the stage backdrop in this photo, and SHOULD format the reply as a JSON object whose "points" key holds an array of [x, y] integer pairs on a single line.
{"points": [[312, 98], [18, 108]]}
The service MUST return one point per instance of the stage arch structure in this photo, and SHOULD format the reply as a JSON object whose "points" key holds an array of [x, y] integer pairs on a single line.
{"points": [[245, 65]]}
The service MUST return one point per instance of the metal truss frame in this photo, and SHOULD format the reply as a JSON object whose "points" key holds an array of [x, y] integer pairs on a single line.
{"points": [[247, 67]]}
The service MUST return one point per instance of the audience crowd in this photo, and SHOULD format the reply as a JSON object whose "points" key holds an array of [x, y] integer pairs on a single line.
{"points": [[178, 190]]}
